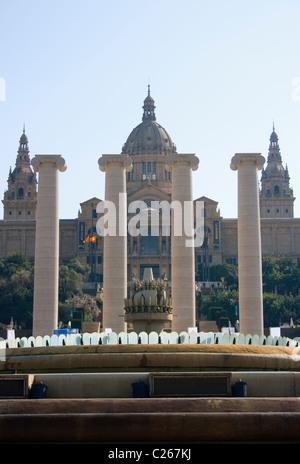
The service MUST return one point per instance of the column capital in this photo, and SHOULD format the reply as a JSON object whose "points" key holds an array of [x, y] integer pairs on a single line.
{"points": [[239, 158], [185, 158], [56, 160], [123, 160]]}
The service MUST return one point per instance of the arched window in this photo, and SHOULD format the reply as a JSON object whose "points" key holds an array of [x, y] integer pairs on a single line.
{"points": [[276, 190], [20, 193]]}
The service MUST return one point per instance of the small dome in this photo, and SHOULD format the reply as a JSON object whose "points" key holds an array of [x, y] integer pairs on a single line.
{"points": [[273, 136], [149, 137], [23, 138]]}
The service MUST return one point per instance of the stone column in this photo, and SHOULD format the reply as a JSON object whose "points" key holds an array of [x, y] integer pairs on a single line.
{"points": [[45, 302], [115, 244], [249, 242], [182, 249]]}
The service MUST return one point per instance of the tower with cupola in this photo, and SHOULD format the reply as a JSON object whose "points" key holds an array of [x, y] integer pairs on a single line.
{"points": [[20, 197], [276, 195]]}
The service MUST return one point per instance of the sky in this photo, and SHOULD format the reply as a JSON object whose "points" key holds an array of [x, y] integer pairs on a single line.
{"points": [[76, 74]]}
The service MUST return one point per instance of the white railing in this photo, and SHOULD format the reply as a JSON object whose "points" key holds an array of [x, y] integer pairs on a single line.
{"points": [[133, 338]]}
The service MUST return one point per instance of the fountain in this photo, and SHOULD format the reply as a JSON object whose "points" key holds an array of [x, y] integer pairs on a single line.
{"points": [[148, 307]]}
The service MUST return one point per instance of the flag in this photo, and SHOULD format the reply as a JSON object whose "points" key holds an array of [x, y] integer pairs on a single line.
{"points": [[90, 238]]}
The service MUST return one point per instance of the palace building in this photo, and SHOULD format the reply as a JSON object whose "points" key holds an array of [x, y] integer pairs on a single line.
{"points": [[148, 145]]}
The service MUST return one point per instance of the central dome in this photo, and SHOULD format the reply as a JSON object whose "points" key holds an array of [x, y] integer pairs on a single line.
{"points": [[149, 137]]}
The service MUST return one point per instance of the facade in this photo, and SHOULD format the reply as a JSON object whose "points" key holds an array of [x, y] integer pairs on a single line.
{"points": [[148, 146]]}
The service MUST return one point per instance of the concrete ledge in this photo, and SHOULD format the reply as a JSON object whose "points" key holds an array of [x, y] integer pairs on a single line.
{"points": [[119, 385], [150, 357], [147, 405], [157, 427]]}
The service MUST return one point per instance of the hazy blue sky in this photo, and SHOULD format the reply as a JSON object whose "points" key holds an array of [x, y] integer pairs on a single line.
{"points": [[76, 73]]}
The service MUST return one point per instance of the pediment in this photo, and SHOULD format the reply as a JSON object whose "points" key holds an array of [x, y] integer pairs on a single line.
{"points": [[94, 200], [207, 200], [149, 192]]}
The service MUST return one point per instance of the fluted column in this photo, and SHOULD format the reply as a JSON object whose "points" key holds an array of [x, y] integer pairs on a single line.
{"points": [[115, 243], [182, 249], [249, 242], [46, 265]]}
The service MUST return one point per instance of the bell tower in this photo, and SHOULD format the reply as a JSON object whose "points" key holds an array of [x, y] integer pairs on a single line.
{"points": [[20, 197], [276, 196]]}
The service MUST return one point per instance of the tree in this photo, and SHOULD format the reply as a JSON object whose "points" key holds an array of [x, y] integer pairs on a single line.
{"points": [[227, 271], [220, 303], [16, 290], [272, 310], [14, 263], [281, 275], [17, 282], [69, 283], [70, 293]]}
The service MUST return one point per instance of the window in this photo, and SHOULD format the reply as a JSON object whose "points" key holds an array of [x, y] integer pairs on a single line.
{"points": [[149, 243], [231, 261], [130, 174], [144, 170], [276, 190], [167, 175], [154, 170]]}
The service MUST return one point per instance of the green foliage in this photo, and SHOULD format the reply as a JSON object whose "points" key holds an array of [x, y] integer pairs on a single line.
{"points": [[281, 275], [69, 283], [220, 304], [281, 297], [16, 288], [280, 309], [227, 271], [272, 310], [13, 263]]}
